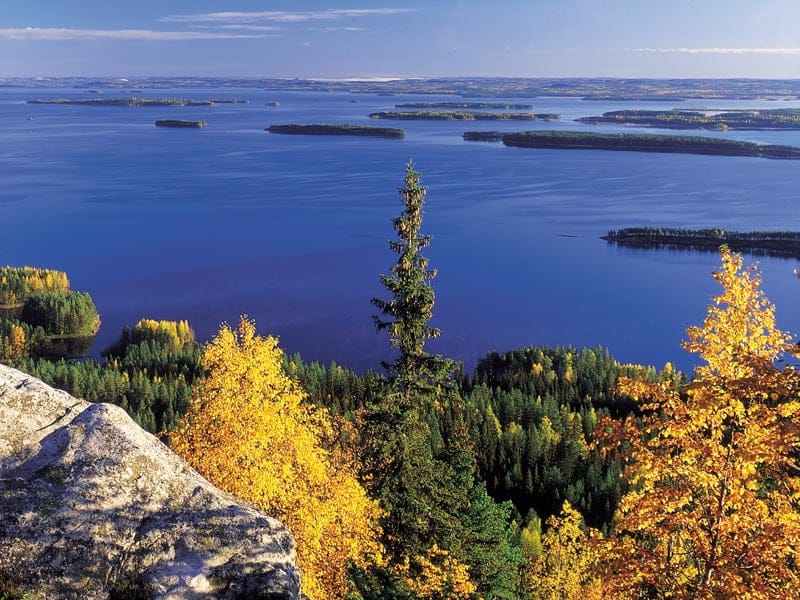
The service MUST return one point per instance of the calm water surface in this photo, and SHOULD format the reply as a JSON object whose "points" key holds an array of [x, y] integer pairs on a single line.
{"points": [[209, 224]]}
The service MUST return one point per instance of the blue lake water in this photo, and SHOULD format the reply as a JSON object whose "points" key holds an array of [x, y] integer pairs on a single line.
{"points": [[291, 230]]}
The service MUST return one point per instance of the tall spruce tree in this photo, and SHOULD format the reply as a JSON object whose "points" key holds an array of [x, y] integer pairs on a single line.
{"points": [[407, 313], [426, 483]]}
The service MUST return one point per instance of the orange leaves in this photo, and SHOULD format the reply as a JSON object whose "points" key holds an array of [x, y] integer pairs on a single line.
{"points": [[250, 432], [712, 512]]}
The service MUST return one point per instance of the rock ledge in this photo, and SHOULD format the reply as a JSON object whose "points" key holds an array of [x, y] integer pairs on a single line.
{"points": [[90, 502]]}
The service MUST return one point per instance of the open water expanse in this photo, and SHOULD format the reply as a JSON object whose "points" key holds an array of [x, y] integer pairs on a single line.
{"points": [[208, 224]]}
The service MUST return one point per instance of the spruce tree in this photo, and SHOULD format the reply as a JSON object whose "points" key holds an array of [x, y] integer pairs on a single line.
{"points": [[426, 482], [407, 313]]}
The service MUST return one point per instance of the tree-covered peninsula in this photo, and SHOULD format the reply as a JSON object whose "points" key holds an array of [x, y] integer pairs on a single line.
{"points": [[785, 244], [453, 115], [740, 120], [327, 129], [582, 140], [41, 316]]}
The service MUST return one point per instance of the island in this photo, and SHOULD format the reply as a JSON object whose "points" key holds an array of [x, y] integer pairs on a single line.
{"points": [[326, 129], [483, 136], [180, 123], [466, 105], [781, 244], [451, 115], [740, 120], [583, 140]]}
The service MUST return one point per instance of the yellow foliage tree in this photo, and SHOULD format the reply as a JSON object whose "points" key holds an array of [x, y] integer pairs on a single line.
{"points": [[565, 568], [437, 576], [12, 343], [250, 432], [713, 506], [176, 333]]}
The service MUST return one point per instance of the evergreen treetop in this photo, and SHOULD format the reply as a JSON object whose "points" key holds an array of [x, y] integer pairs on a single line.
{"points": [[407, 313]]}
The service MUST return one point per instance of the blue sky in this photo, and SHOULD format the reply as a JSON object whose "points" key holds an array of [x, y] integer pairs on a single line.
{"points": [[301, 38]]}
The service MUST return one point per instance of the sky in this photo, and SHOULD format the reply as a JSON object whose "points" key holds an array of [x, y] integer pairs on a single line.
{"points": [[387, 38]]}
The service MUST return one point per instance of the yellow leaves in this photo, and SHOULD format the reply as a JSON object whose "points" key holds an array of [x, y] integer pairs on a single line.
{"points": [[17, 283], [437, 575], [712, 463], [13, 343], [177, 333], [738, 338], [250, 432], [567, 562]]}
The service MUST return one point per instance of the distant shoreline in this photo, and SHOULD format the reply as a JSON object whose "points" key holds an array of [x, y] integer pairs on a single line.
{"points": [[134, 101], [597, 88]]}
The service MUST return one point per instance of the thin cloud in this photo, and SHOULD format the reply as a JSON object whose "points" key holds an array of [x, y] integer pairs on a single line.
{"points": [[238, 27], [61, 34], [283, 16], [343, 29], [786, 51]]}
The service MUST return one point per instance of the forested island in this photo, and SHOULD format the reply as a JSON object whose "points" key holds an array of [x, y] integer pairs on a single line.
{"points": [[483, 136], [451, 115], [466, 105], [740, 120], [582, 140], [784, 244], [180, 123], [326, 129], [134, 101]]}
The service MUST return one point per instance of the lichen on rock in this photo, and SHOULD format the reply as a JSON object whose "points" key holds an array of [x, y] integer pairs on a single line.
{"points": [[91, 503]]}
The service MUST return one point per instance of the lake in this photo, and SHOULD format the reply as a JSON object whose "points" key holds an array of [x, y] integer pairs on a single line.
{"points": [[207, 224]]}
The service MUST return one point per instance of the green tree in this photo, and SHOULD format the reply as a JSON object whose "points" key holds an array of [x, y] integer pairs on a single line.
{"points": [[407, 313], [425, 478]]}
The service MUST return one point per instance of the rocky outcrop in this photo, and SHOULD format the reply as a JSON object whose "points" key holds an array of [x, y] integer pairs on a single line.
{"points": [[92, 505]]}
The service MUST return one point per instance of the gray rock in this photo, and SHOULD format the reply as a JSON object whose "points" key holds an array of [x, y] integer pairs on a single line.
{"points": [[90, 503]]}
